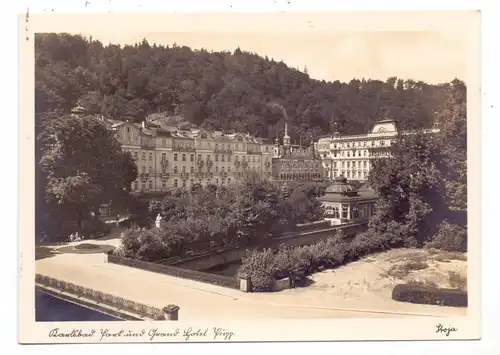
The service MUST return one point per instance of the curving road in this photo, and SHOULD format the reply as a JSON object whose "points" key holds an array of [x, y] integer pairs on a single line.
{"points": [[200, 301]]}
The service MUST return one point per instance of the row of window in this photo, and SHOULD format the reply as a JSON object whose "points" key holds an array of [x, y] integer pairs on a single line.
{"points": [[357, 212], [223, 158], [358, 144], [149, 169], [355, 175], [149, 184], [355, 164], [349, 153], [183, 157], [210, 145]]}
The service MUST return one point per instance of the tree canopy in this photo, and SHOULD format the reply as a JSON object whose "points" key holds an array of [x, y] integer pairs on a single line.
{"points": [[423, 187], [81, 166], [219, 90], [203, 217]]}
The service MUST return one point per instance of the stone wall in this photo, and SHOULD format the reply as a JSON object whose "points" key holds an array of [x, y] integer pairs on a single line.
{"points": [[117, 306], [307, 238], [184, 273], [233, 254], [210, 259]]}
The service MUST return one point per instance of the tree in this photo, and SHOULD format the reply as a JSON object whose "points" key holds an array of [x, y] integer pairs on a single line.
{"points": [[411, 190], [452, 140], [83, 165]]}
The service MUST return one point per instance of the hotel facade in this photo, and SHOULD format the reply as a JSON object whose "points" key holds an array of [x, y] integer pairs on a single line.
{"points": [[172, 158], [351, 156]]}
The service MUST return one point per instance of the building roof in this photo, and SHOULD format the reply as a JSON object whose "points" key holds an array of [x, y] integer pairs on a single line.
{"points": [[364, 195], [386, 120], [341, 191], [341, 187]]}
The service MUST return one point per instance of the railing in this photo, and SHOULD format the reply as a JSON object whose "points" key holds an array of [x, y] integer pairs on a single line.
{"points": [[101, 297], [148, 146], [183, 149], [254, 152]]}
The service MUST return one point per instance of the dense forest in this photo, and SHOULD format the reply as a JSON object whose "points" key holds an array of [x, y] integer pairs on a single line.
{"points": [[219, 90]]}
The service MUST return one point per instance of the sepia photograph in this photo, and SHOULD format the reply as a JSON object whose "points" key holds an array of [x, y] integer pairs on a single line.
{"points": [[196, 178]]}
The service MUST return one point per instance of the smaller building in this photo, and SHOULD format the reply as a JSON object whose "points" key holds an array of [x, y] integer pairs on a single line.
{"points": [[343, 203]]}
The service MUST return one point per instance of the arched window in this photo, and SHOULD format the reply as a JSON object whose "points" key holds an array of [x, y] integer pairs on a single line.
{"points": [[381, 130], [332, 212]]}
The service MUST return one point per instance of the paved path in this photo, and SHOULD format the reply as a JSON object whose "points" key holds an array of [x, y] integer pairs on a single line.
{"points": [[199, 301]]}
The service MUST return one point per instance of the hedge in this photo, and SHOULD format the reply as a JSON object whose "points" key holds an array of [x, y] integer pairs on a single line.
{"points": [[429, 295]]}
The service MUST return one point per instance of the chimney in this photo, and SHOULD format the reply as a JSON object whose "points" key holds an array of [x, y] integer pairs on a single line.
{"points": [[143, 124]]}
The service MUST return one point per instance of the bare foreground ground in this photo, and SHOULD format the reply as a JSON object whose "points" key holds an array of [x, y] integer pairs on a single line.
{"points": [[371, 279], [360, 289]]}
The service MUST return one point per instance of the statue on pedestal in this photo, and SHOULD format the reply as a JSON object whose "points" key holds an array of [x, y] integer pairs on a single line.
{"points": [[158, 221]]}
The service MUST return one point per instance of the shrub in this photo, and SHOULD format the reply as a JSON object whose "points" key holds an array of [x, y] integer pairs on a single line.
{"points": [[152, 247], [86, 246], [283, 263], [301, 261], [130, 243], [415, 265], [336, 249], [449, 237], [319, 255], [402, 270], [95, 228], [457, 281], [429, 295], [367, 243], [260, 266]]}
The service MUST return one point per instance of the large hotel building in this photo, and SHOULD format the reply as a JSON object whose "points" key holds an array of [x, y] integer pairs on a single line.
{"points": [[169, 157], [351, 156]]}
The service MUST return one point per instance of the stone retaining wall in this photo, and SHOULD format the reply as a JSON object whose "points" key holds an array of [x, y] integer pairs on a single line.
{"points": [[233, 254], [117, 303], [218, 280]]}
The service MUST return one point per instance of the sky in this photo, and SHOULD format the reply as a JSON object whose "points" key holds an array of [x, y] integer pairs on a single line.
{"points": [[426, 55]]}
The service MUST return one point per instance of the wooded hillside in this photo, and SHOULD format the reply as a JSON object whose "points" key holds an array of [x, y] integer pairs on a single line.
{"points": [[219, 90]]}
